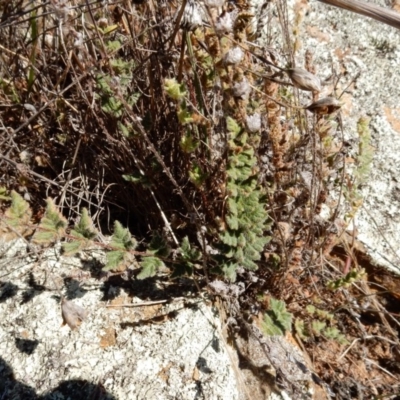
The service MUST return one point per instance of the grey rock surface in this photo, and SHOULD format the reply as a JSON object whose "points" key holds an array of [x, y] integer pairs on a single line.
{"points": [[152, 339], [160, 351], [139, 340]]}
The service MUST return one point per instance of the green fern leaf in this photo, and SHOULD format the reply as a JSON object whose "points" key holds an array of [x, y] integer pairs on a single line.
{"points": [[229, 270], [249, 264], [84, 228], [259, 243], [232, 222], [188, 257], [17, 217], [196, 175], [301, 329], [52, 226], [233, 206], [228, 238], [245, 205], [277, 319], [241, 241], [250, 253], [317, 326], [19, 211], [233, 127], [71, 248], [122, 239], [114, 259], [269, 327], [335, 334], [82, 235], [233, 173], [233, 189], [150, 266], [188, 253], [121, 242]]}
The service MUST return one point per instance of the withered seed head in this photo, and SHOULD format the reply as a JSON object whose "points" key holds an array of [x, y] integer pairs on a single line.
{"points": [[304, 80], [327, 105], [234, 56], [192, 16]]}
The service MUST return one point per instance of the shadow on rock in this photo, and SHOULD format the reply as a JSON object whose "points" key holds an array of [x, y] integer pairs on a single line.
{"points": [[76, 389], [10, 388]]}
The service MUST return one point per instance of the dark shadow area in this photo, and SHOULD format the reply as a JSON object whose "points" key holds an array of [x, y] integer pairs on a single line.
{"points": [[215, 344], [7, 290], [34, 289], [57, 299], [10, 388], [155, 288], [27, 295], [26, 346], [74, 289], [199, 391], [92, 265], [148, 289], [76, 389], [149, 321], [201, 364]]}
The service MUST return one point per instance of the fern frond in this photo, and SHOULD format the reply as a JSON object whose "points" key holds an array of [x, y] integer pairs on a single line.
{"points": [[82, 235], [52, 226], [121, 242], [17, 217], [150, 266], [277, 320]]}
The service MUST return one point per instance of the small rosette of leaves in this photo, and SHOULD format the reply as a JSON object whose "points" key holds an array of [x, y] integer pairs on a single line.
{"points": [[174, 89], [122, 243], [177, 91], [81, 236], [52, 226], [277, 320]]}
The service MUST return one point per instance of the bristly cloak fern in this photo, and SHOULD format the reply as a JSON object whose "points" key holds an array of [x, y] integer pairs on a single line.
{"points": [[246, 219]]}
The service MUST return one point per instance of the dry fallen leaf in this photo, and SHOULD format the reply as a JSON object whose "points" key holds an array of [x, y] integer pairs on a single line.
{"points": [[72, 314], [327, 105]]}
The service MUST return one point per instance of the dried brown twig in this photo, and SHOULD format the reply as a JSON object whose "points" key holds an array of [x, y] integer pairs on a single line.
{"points": [[381, 14]]}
